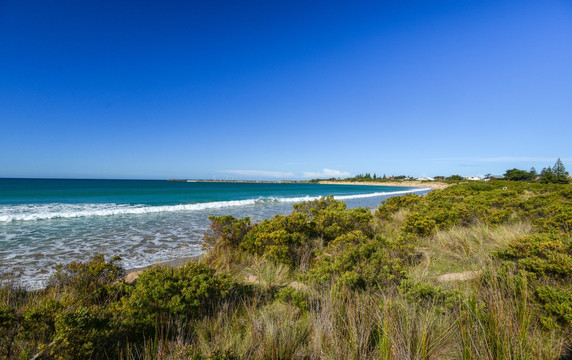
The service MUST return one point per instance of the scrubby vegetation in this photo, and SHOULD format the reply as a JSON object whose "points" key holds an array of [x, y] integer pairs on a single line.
{"points": [[474, 271]]}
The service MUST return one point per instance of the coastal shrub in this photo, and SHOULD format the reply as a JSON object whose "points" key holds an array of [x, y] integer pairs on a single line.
{"points": [[90, 282], [292, 296], [417, 224], [556, 217], [557, 302], [83, 333], [425, 293], [281, 238], [357, 261], [391, 205], [183, 293], [9, 321], [331, 218], [542, 254], [472, 203], [38, 323], [225, 231]]}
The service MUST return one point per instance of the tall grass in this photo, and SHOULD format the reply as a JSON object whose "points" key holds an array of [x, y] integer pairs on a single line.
{"points": [[463, 248], [496, 322]]}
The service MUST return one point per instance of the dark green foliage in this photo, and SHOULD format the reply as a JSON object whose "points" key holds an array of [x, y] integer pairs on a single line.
{"points": [[557, 302], [89, 281], [9, 323], [422, 292], [279, 238], [547, 176], [533, 173], [39, 321], [331, 218], [560, 173], [292, 296], [83, 333], [555, 175], [182, 293], [225, 231], [454, 178], [519, 175]]}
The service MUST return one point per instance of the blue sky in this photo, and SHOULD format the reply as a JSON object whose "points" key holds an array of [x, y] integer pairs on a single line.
{"points": [[283, 89]]}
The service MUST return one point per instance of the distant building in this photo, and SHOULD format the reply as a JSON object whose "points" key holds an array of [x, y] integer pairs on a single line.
{"points": [[425, 179], [473, 178]]}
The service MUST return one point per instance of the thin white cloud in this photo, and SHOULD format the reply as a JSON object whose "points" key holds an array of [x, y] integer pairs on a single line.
{"points": [[325, 173], [505, 159], [261, 173]]}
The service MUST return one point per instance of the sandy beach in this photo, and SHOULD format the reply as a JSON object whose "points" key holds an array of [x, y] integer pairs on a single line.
{"points": [[409, 183]]}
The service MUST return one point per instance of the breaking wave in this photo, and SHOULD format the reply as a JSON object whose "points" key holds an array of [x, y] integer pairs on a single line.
{"points": [[34, 212]]}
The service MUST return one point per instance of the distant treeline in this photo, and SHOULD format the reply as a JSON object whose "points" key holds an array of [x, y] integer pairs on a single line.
{"points": [[556, 174]]}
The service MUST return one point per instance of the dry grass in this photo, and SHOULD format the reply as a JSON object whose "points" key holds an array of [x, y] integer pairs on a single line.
{"points": [[468, 248], [496, 323]]}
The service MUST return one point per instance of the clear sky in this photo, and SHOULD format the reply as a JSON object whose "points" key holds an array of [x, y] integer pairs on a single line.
{"points": [[283, 89]]}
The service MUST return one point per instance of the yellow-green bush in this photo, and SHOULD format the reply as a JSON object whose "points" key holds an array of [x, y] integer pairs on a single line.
{"points": [[183, 293], [542, 254], [280, 238], [90, 282], [356, 261], [557, 302]]}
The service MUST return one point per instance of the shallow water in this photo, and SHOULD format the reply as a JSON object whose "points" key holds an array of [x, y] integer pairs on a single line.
{"points": [[144, 222]]}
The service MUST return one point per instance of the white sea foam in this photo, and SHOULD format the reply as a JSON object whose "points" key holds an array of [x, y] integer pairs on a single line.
{"points": [[12, 213], [30, 249]]}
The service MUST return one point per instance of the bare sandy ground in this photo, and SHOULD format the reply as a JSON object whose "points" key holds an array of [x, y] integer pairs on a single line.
{"points": [[133, 274], [408, 183], [462, 276]]}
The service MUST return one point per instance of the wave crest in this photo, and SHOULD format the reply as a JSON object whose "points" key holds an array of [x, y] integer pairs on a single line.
{"points": [[36, 212]]}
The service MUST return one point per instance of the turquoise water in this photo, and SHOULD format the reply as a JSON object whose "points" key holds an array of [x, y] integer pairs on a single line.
{"points": [[44, 222]]}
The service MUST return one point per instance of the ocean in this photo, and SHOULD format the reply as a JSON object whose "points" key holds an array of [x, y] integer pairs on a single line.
{"points": [[44, 222]]}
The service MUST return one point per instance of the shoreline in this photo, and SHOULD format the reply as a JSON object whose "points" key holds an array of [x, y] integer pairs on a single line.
{"points": [[409, 183], [132, 274]]}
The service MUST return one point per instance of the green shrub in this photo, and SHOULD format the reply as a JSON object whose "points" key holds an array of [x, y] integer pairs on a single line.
{"points": [[225, 231], [9, 321], [391, 205], [184, 293], [292, 296], [417, 224], [83, 333], [556, 217], [90, 282], [542, 254], [425, 293], [557, 302], [356, 261], [281, 238], [39, 322]]}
